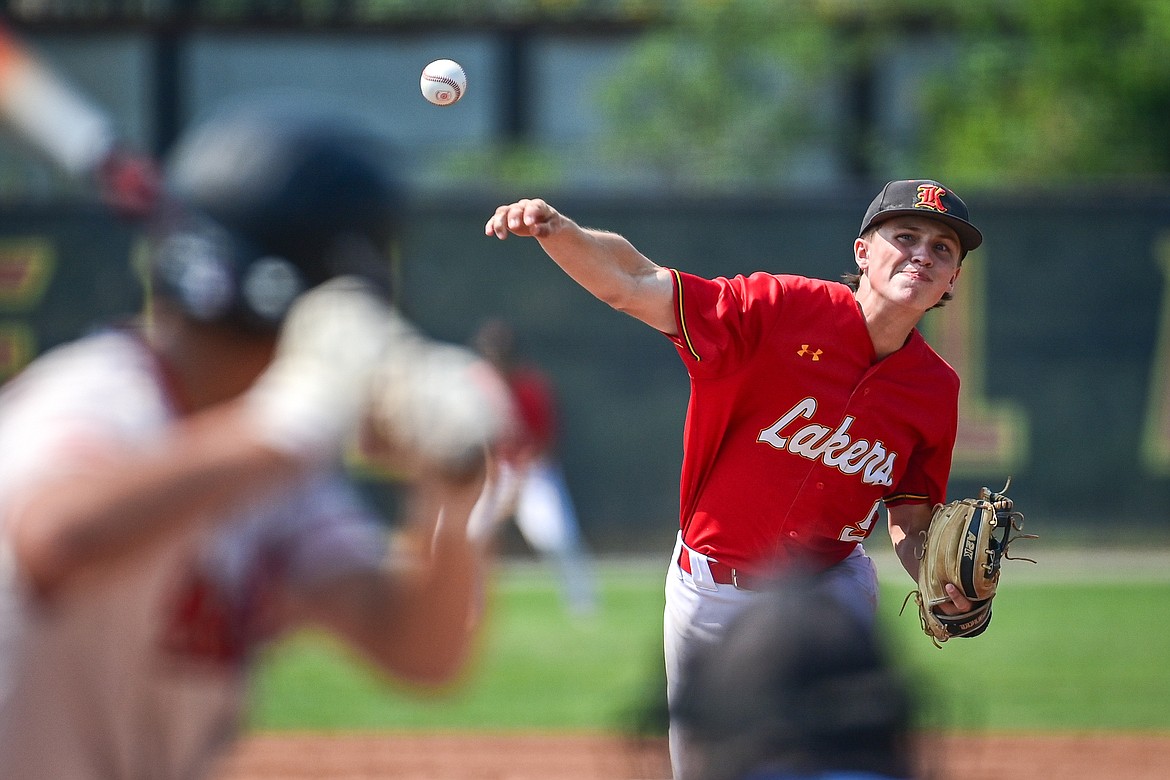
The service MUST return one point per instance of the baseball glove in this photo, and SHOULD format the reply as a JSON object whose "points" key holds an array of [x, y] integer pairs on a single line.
{"points": [[438, 403], [961, 547]]}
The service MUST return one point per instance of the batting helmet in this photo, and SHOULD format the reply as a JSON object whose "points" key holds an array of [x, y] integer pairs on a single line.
{"points": [[266, 203]]}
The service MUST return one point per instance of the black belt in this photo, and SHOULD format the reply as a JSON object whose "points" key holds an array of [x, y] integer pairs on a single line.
{"points": [[724, 574]]}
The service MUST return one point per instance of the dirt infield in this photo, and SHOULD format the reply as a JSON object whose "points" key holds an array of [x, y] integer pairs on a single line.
{"points": [[534, 757]]}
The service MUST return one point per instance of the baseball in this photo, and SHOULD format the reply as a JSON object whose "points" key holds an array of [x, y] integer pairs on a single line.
{"points": [[443, 82]]}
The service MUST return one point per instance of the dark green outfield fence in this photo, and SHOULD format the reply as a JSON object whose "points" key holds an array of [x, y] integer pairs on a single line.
{"points": [[1061, 331]]}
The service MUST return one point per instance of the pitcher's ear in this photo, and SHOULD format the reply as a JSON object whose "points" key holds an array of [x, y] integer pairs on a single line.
{"points": [[861, 253]]}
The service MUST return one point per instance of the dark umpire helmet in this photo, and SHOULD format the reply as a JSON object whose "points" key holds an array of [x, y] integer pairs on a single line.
{"points": [[265, 203], [799, 686]]}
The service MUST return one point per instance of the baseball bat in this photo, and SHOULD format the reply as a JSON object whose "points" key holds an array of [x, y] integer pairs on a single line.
{"points": [[71, 130]]}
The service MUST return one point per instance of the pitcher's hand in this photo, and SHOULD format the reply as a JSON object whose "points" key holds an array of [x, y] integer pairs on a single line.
{"points": [[525, 217]]}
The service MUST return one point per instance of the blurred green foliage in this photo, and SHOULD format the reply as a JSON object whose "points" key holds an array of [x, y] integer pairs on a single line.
{"points": [[730, 90], [1008, 92], [1055, 90]]}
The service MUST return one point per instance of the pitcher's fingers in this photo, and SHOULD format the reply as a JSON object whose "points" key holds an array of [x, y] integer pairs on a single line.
{"points": [[512, 218], [527, 217], [498, 224]]}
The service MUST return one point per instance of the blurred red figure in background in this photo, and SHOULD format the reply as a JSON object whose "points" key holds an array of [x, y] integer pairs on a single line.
{"points": [[533, 481]]}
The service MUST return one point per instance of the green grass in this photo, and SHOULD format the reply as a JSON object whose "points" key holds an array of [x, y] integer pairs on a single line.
{"points": [[1058, 656], [536, 668]]}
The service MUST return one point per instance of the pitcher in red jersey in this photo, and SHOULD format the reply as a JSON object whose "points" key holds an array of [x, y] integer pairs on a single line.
{"points": [[814, 404]]}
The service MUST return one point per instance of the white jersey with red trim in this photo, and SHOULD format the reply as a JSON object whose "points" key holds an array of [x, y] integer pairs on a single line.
{"points": [[141, 673]]}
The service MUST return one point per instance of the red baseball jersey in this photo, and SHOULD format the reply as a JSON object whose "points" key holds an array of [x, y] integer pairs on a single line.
{"points": [[795, 433], [536, 406]]}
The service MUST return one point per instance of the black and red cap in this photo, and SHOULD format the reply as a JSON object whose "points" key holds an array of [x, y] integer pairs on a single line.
{"points": [[923, 198]]}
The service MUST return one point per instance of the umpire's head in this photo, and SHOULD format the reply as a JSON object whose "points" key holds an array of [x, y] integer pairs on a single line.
{"points": [[799, 686]]}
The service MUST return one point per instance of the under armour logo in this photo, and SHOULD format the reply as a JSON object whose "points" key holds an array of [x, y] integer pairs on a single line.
{"points": [[930, 197], [815, 354]]}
